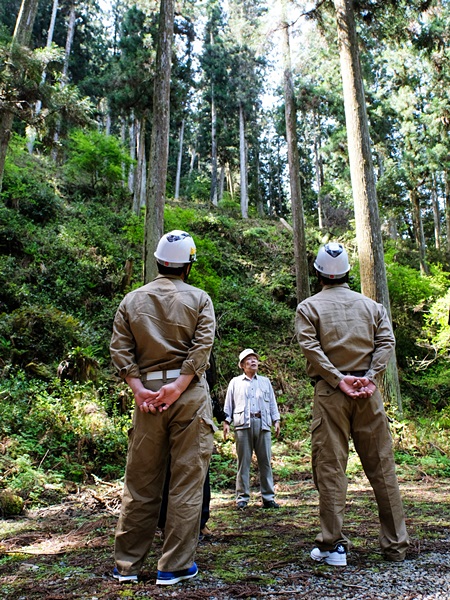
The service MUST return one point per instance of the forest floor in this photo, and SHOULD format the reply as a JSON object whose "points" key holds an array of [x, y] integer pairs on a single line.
{"points": [[65, 551]]}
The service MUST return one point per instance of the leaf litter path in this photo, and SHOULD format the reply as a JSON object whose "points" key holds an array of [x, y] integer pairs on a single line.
{"points": [[65, 551]]}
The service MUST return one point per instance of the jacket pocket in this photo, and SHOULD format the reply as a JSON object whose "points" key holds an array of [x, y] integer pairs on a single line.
{"points": [[208, 421], [239, 419]]}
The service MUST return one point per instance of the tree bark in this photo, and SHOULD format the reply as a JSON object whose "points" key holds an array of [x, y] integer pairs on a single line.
{"points": [[132, 144], [298, 220], [319, 183], [141, 183], [213, 193], [159, 148], [221, 182], [179, 161], [65, 73], [22, 36], [259, 199], [243, 163], [436, 213], [31, 131], [418, 231], [447, 208], [368, 228]]}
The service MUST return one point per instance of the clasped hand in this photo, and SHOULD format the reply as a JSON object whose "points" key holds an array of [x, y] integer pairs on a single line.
{"points": [[357, 387], [159, 401]]}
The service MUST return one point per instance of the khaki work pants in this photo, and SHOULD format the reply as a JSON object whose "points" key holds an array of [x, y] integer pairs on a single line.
{"points": [[336, 417], [185, 432]]}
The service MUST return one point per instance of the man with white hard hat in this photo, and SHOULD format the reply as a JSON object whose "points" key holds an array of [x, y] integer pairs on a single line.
{"points": [[162, 337], [250, 404], [347, 340]]}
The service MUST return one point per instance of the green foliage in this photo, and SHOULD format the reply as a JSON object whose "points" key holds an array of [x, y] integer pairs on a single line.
{"points": [[200, 188], [436, 328], [38, 334], [95, 158], [26, 186], [412, 295], [58, 431], [230, 207]]}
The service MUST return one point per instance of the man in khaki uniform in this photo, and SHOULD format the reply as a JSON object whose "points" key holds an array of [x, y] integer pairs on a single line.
{"points": [[347, 340], [162, 338]]}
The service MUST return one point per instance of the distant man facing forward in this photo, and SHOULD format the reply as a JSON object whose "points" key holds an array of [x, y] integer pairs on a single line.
{"points": [[250, 404], [347, 340]]}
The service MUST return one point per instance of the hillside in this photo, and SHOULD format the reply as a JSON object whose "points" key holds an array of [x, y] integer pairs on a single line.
{"points": [[70, 252]]}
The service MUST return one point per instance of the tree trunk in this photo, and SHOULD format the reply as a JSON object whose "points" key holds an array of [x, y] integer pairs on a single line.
{"points": [[22, 36], [137, 179], [132, 144], [368, 229], [179, 161], [418, 231], [31, 131], [230, 184], [436, 213], [447, 208], [221, 182], [193, 153], [159, 148], [318, 182], [25, 21], [259, 198], [298, 220], [141, 184], [243, 163], [213, 193], [65, 72]]}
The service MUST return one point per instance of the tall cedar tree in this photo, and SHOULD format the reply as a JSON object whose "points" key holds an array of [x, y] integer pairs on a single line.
{"points": [[368, 229], [159, 149]]}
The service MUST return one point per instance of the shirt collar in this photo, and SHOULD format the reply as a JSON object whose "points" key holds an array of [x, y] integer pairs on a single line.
{"points": [[338, 285], [244, 376]]}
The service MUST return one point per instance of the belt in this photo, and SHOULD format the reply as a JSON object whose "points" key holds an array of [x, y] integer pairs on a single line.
{"points": [[170, 374], [255, 415], [352, 373]]}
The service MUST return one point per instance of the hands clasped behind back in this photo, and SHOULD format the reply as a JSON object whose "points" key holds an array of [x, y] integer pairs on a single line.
{"points": [[357, 387], [149, 401]]}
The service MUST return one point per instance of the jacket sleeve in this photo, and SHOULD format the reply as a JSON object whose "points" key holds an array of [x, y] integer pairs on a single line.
{"points": [[228, 407], [312, 350], [197, 359], [384, 344], [274, 412], [122, 347]]}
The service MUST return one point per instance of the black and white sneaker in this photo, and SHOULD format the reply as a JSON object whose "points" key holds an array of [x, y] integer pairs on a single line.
{"points": [[336, 557]]}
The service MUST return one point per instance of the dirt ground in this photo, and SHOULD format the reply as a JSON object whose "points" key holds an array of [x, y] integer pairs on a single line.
{"points": [[65, 551]]}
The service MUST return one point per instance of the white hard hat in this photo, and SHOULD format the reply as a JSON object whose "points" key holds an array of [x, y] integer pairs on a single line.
{"points": [[175, 249], [332, 261], [245, 353]]}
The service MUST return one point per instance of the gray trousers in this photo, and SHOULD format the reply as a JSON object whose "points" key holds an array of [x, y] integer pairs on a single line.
{"points": [[249, 440], [185, 432], [336, 417]]}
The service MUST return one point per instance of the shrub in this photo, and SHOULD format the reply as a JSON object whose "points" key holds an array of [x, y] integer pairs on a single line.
{"points": [[95, 158], [36, 334]]}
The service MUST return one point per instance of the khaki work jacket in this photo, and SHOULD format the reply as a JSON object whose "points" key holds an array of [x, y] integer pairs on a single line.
{"points": [[341, 331], [166, 324]]}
